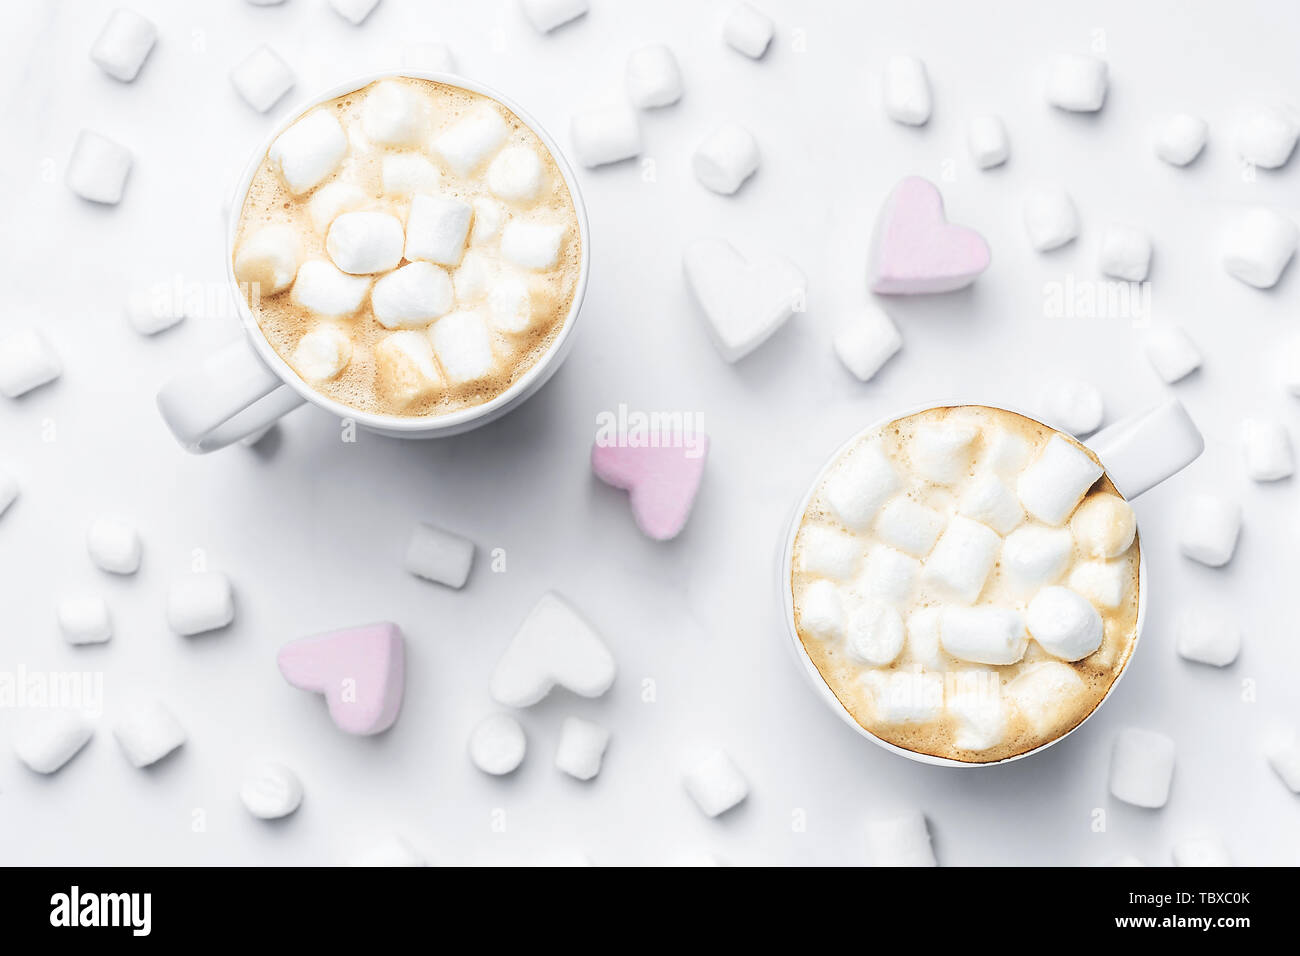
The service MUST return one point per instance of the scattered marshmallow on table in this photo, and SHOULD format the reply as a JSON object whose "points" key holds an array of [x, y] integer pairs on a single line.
{"points": [[902, 839], [986, 136], [148, 732], [1171, 352], [744, 303], [653, 77], [271, 791], [915, 250], [124, 44], [1180, 138], [26, 362], [150, 311], [9, 490], [309, 151], [200, 602], [582, 747], [98, 168], [546, 15], [354, 11], [1209, 529], [438, 555], [1201, 851], [661, 482], [1064, 623], [906, 91], [1267, 447], [497, 744], [726, 158], [715, 783], [1077, 83], [1207, 638], [1257, 246], [1076, 407], [49, 739], [864, 343], [262, 78], [436, 229], [1267, 136], [1283, 755], [361, 672], [392, 850], [1125, 253], [1050, 217], [748, 30], [554, 645], [114, 545], [605, 134], [1051, 487], [1142, 767], [84, 619]]}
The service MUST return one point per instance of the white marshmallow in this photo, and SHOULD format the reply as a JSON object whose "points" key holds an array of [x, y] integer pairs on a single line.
{"points": [[653, 77], [942, 452], [906, 91], [1125, 253], [26, 362], [438, 555], [489, 218], [532, 245], [1201, 851], [497, 745], [987, 138], [888, 575], [605, 134], [821, 610], [1171, 352], [1258, 245], [271, 791], [988, 500], [467, 144], [124, 44], [515, 174], [322, 353], [858, 485], [1267, 447], [874, 633], [152, 311], [147, 732], [827, 552], [463, 344], [114, 545], [405, 174], [923, 645], [962, 559], [1267, 137], [1104, 526], [307, 153], [47, 741], [436, 229], [983, 635], [510, 304], [1051, 487], [748, 30], [1142, 767], [1034, 557], [1042, 693], [8, 490], [905, 697], [900, 840], [1064, 623], [1207, 638], [546, 15], [1050, 217], [744, 303], [726, 158], [393, 114], [1104, 583], [1005, 452], [366, 242], [866, 342], [333, 199], [84, 619], [715, 783], [1209, 529], [1075, 407], [1283, 754], [262, 78], [268, 260], [325, 290], [412, 296], [1180, 138], [582, 747], [405, 369], [354, 11], [199, 602], [98, 168], [975, 700], [390, 851], [1077, 83], [909, 526]]}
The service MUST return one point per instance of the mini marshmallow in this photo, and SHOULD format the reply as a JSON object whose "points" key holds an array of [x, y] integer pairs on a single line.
{"points": [[412, 296], [473, 279], [605, 134], [151, 312], [1209, 529], [8, 491], [1180, 138], [1005, 452], [497, 745], [888, 575], [554, 645], [438, 555], [874, 633], [826, 552], [743, 303], [906, 91], [909, 526], [47, 741], [653, 77], [98, 168], [962, 559], [1050, 217], [200, 602], [436, 229], [989, 500], [532, 245], [26, 362], [582, 747], [905, 697], [325, 290], [124, 44], [1201, 851], [715, 784], [1207, 638], [84, 619], [405, 369], [308, 152], [463, 344], [354, 11], [1171, 353], [1051, 487], [148, 732], [1041, 693], [942, 452], [900, 840], [391, 851], [1104, 583], [114, 545], [1077, 83], [983, 635], [469, 142], [262, 78], [322, 353], [405, 174], [268, 260], [510, 305], [923, 644], [1142, 767], [333, 199], [546, 15], [866, 342], [975, 701], [271, 791], [1103, 526], [1034, 557], [748, 30], [1283, 754], [726, 158], [821, 610], [489, 219], [1267, 447], [1267, 137], [1257, 246], [986, 137], [1076, 407], [1125, 253], [859, 485], [1064, 623], [366, 242], [515, 175], [393, 114]]}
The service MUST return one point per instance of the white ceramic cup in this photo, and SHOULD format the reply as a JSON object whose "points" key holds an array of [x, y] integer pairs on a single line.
{"points": [[1138, 453], [246, 386]]}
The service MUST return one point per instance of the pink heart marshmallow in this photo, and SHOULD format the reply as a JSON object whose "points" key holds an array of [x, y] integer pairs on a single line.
{"points": [[360, 670], [915, 250], [661, 482]]}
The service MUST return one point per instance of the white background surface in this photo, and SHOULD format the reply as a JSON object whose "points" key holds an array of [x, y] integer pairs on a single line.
{"points": [[313, 531]]}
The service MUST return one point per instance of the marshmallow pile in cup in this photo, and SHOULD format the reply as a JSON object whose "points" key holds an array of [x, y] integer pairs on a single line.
{"points": [[410, 248], [965, 580]]}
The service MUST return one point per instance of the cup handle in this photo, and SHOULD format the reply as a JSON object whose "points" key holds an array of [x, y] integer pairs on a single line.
{"points": [[228, 396], [1143, 450]]}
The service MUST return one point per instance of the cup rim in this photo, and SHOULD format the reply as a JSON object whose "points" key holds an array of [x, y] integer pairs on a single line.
{"points": [[814, 675], [456, 420]]}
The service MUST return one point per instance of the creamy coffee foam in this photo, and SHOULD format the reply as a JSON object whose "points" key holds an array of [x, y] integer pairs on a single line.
{"points": [[409, 249], [966, 582]]}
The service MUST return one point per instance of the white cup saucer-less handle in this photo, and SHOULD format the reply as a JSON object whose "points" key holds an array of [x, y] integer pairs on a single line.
{"points": [[1138, 452]]}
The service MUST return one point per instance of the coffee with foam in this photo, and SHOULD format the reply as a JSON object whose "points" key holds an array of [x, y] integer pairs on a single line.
{"points": [[410, 248], [965, 580]]}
